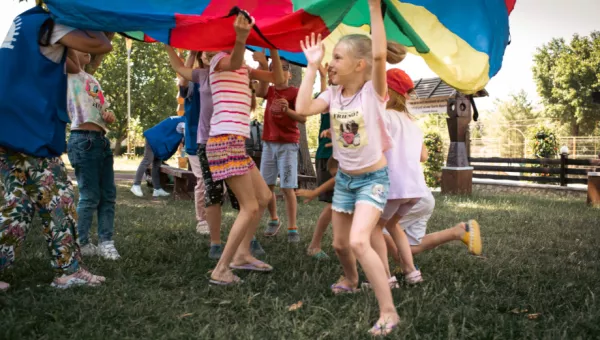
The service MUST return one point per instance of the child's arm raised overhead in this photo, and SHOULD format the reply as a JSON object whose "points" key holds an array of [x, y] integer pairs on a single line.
{"points": [[323, 76], [236, 59], [189, 63], [263, 65], [92, 42], [276, 76], [314, 51], [183, 70], [379, 43]]}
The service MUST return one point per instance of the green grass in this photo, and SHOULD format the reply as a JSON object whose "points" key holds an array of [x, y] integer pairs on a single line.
{"points": [[541, 255]]}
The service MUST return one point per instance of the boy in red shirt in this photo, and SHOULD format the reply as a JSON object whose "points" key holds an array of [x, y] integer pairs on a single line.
{"points": [[281, 138]]}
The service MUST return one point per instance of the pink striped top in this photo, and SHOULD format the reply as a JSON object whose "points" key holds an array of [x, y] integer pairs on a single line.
{"points": [[232, 98]]}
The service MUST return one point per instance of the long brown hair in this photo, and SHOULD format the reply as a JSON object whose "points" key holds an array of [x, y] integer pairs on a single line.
{"points": [[397, 102]]}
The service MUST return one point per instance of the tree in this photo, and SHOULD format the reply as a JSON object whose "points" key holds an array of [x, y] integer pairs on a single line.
{"points": [[566, 75], [514, 113], [153, 87]]}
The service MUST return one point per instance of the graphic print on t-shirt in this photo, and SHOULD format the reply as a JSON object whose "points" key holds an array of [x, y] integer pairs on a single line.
{"points": [[93, 90], [349, 127]]}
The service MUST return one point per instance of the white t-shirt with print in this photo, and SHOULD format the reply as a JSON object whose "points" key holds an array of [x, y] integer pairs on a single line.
{"points": [[85, 101]]}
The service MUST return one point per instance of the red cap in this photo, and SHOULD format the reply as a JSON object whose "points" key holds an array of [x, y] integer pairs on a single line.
{"points": [[399, 81]]}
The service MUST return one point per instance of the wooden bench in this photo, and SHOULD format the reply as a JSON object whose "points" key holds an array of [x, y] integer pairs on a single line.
{"points": [[184, 181]]}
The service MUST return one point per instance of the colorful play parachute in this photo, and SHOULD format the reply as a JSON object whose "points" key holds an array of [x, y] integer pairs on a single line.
{"points": [[463, 41]]}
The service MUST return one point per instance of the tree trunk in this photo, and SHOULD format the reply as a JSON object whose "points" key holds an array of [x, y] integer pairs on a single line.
{"points": [[574, 128], [305, 166], [118, 149]]}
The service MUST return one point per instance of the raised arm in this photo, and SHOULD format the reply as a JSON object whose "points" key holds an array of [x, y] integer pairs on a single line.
{"points": [[277, 69], [177, 65], [323, 76], [189, 63], [379, 48], [236, 59], [314, 51], [87, 41], [263, 65]]}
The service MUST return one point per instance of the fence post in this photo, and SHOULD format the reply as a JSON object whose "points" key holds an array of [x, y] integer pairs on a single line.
{"points": [[563, 169]]}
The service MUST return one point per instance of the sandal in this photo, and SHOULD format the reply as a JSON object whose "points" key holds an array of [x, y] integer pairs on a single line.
{"points": [[338, 288], [392, 281], [414, 277], [236, 281], [79, 278], [319, 255], [256, 266], [382, 330]]}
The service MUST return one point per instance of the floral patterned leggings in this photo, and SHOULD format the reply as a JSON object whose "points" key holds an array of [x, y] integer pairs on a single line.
{"points": [[27, 184]]}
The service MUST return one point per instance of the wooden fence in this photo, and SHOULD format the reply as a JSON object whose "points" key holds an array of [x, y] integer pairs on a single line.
{"points": [[550, 171]]}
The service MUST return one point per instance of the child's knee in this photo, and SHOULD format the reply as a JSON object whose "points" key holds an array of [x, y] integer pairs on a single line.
{"points": [[264, 199], [341, 248], [359, 244], [250, 208]]}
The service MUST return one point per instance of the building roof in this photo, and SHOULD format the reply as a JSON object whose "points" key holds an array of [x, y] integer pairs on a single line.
{"points": [[435, 87]]}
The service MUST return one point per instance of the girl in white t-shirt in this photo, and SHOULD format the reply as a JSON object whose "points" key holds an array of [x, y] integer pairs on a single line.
{"points": [[91, 156], [408, 185]]}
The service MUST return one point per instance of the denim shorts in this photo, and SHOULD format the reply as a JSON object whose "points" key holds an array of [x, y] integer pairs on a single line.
{"points": [[280, 159], [371, 188]]}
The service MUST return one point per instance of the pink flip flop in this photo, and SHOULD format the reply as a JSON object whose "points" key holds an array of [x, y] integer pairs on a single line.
{"points": [[384, 330], [254, 266], [341, 289], [236, 281]]}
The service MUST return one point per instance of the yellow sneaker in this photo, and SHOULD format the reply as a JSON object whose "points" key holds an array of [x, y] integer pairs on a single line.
{"points": [[472, 237]]}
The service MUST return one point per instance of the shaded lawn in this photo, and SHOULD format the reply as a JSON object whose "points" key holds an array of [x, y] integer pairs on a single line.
{"points": [[541, 255]]}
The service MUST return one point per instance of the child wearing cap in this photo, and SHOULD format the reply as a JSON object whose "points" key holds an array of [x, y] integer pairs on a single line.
{"points": [[407, 182]]}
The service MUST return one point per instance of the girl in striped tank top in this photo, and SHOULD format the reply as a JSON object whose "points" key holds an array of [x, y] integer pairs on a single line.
{"points": [[226, 152]]}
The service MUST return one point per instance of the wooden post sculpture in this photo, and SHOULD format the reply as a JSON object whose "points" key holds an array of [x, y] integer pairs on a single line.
{"points": [[457, 175]]}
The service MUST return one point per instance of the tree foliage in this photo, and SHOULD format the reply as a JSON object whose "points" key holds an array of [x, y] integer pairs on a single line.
{"points": [[435, 161], [514, 113], [153, 86], [543, 143], [566, 75]]}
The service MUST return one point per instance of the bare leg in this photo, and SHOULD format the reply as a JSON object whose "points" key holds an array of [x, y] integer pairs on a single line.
{"points": [[273, 204], [341, 244], [322, 224], [262, 196], [391, 246], [246, 193], [213, 218], [364, 222], [291, 206], [436, 239], [404, 249], [378, 244]]}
